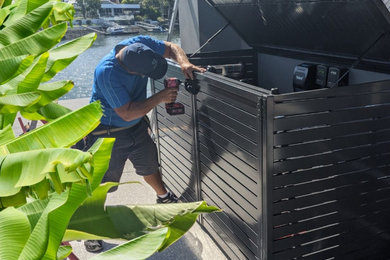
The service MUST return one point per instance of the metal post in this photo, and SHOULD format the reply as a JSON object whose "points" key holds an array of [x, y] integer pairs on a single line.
{"points": [[173, 19]]}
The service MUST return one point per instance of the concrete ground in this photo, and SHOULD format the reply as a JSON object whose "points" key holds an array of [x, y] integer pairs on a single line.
{"points": [[194, 245]]}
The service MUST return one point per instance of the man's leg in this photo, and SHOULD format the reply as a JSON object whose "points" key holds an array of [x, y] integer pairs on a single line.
{"points": [[143, 156], [155, 181], [118, 159]]}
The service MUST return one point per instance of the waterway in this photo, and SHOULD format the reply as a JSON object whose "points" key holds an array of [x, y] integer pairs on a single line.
{"points": [[80, 71]]}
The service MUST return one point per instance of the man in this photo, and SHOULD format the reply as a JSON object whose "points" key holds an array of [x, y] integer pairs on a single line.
{"points": [[120, 82]]}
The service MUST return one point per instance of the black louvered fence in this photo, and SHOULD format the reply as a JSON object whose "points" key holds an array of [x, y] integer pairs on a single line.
{"points": [[299, 176]]}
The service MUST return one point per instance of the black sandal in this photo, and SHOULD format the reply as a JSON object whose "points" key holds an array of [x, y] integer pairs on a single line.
{"points": [[93, 246]]}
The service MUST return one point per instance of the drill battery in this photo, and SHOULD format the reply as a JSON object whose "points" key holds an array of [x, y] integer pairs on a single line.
{"points": [[173, 108]]}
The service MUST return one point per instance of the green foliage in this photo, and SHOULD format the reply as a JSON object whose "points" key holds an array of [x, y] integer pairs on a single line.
{"points": [[49, 192], [89, 8], [153, 9]]}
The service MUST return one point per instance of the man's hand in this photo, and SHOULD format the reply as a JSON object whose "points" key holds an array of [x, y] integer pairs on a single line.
{"points": [[173, 51], [187, 68], [168, 95]]}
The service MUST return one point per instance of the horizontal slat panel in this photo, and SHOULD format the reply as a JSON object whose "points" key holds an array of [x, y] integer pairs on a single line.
{"points": [[247, 145], [176, 135], [182, 121], [313, 134], [222, 169], [330, 145], [241, 242], [181, 170], [295, 177], [235, 224], [238, 189], [363, 177], [212, 192], [211, 115], [168, 126], [331, 103], [366, 213], [173, 147], [228, 109], [225, 243], [216, 153], [330, 158], [330, 117], [331, 206], [176, 184], [331, 194], [208, 185], [235, 97], [338, 235], [206, 137], [229, 190], [361, 89]]}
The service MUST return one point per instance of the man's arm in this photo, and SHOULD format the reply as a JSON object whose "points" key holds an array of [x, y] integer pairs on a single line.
{"points": [[173, 51], [137, 109]]}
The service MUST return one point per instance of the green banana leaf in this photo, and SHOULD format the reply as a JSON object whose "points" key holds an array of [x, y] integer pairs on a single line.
{"points": [[14, 232], [23, 7], [12, 67], [50, 92], [49, 112], [48, 231], [62, 132], [7, 119], [6, 134], [6, 3], [27, 168], [63, 12], [31, 77], [25, 26], [62, 56], [4, 12], [63, 252], [139, 248], [14, 103], [139, 219], [93, 220], [28, 79], [35, 44]]}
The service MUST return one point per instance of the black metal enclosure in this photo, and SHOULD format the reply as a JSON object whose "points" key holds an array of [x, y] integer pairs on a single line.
{"points": [[299, 175]]}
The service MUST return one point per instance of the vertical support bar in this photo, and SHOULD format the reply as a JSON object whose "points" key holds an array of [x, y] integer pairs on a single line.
{"points": [[196, 151], [260, 151], [154, 125], [173, 19], [267, 107]]}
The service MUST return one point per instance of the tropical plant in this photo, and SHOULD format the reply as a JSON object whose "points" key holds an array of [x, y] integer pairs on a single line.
{"points": [[49, 192]]}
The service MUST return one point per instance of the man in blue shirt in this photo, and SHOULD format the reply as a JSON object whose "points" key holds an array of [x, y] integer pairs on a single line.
{"points": [[120, 82]]}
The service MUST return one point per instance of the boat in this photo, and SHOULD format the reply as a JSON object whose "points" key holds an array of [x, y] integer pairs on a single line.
{"points": [[118, 30], [115, 30], [150, 27]]}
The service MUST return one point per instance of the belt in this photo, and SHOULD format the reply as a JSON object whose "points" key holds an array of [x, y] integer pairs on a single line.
{"points": [[113, 130]]}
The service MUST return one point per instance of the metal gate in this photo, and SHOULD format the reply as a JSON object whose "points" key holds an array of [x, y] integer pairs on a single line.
{"points": [[299, 175]]}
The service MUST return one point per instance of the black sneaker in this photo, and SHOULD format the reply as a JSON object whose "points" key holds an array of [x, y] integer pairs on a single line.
{"points": [[93, 246], [171, 198]]}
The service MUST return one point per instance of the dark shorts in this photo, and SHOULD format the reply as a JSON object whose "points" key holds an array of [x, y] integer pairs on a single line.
{"points": [[132, 143]]}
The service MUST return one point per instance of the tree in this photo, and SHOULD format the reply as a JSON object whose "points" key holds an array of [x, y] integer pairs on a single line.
{"points": [[47, 190], [153, 9], [89, 8]]}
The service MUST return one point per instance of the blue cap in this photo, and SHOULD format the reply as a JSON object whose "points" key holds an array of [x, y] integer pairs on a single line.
{"points": [[138, 57]]}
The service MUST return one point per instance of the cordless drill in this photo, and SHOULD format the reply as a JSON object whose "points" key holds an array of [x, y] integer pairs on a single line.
{"points": [[173, 108]]}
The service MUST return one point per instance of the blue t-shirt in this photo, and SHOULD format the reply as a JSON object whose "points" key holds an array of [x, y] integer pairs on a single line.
{"points": [[115, 87]]}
